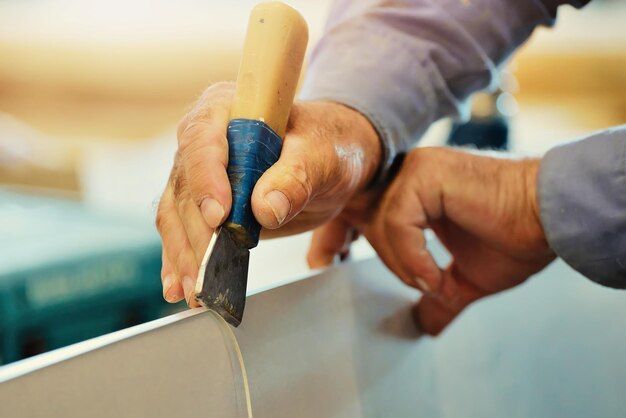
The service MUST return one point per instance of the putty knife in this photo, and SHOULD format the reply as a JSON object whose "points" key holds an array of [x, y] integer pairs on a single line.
{"points": [[268, 75]]}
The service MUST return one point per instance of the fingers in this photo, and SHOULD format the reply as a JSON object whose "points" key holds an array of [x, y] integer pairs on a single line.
{"points": [[196, 228], [397, 236], [172, 290], [397, 229], [404, 223], [407, 246], [432, 315], [198, 232], [328, 241], [176, 245], [285, 188], [381, 244], [203, 150], [198, 197]]}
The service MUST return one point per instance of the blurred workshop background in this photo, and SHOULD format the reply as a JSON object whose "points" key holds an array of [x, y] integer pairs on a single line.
{"points": [[90, 95]]}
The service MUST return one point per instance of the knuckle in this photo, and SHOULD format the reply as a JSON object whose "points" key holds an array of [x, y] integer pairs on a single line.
{"points": [[201, 140], [161, 221], [214, 98], [188, 138], [414, 159], [427, 160], [182, 126], [298, 175], [420, 219], [179, 184], [392, 223], [414, 154], [176, 168]]}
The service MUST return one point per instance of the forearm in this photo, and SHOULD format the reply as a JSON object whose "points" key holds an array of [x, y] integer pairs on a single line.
{"points": [[407, 63], [582, 198]]}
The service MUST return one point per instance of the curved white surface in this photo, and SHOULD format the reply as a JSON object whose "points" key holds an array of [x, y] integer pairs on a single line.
{"points": [[342, 344], [188, 364]]}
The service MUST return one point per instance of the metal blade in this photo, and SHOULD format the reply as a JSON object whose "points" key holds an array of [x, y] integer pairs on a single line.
{"points": [[223, 276]]}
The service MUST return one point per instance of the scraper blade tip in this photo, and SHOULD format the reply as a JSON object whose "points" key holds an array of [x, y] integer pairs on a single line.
{"points": [[223, 277]]}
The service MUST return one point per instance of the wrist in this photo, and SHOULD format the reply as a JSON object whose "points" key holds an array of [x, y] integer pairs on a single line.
{"points": [[362, 133]]}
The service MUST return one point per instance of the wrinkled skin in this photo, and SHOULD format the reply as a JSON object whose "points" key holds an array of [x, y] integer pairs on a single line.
{"points": [[483, 209], [330, 154]]}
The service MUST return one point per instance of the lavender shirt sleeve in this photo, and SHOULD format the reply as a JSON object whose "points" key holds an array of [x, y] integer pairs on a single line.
{"points": [[582, 198], [407, 63]]}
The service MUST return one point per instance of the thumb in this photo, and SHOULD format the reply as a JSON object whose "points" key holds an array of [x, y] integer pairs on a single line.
{"points": [[328, 241], [285, 188], [433, 314]]}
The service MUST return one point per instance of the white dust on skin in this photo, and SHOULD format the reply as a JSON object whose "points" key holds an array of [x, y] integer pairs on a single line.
{"points": [[353, 159]]}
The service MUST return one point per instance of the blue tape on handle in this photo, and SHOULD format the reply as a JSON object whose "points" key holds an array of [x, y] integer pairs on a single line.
{"points": [[253, 147]]}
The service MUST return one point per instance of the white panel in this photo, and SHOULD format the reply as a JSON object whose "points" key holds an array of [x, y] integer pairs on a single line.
{"points": [[343, 344], [186, 367]]}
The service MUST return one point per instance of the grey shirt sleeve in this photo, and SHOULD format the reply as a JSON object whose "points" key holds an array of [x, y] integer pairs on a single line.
{"points": [[582, 199], [407, 63]]}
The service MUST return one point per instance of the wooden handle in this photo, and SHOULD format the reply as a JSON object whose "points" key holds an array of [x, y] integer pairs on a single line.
{"points": [[270, 66]]}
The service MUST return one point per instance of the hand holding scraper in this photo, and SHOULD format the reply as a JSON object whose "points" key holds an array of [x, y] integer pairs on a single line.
{"points": [[268, 75]]}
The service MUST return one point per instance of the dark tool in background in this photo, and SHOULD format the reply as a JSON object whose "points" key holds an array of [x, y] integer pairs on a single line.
{"points": [[69, 273], [268, 76], [488, 127]]}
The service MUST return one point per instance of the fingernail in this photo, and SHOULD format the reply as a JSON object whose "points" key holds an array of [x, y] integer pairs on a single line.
{"points": [[172, 296], [212, 212], [188, 288], [279, 204], [422, 284], [167, 285], [171, 292]]}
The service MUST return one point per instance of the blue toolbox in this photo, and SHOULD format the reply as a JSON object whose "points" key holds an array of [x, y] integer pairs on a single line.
{"points": [[68, 274]]}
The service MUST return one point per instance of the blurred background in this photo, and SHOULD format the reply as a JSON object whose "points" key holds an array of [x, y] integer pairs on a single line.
{"points": [[90, 95]]}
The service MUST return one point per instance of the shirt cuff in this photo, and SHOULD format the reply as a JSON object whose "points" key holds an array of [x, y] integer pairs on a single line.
{"points": [[582, 199]]}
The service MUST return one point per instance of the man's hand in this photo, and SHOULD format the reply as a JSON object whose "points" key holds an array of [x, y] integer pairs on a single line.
{"points": [[330, 153], [483, 209]]}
